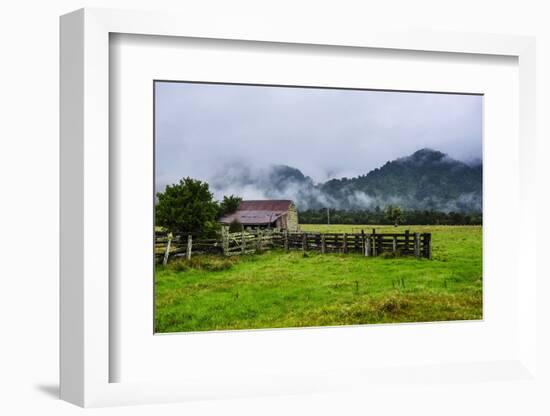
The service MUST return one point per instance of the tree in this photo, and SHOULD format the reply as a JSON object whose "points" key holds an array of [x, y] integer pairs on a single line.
{"points": [[229, 205], [187, 207], [394, 214]]}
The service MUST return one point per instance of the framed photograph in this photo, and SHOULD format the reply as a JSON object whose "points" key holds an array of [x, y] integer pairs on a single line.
{"points": [[271, 199], [262, 212]]}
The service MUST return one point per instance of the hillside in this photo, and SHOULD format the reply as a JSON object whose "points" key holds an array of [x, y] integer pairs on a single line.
{"points": [[425, 180]]}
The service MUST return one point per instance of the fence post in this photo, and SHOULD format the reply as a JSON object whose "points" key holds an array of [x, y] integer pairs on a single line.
{"points": [[427, 252], [225, 240], [167, 252], [189, 246], [416, 245], [345, 245], [394, 247], [407, 241], [304, 242], [259, 240], [363, 247], [374, 250], [243, 243], [323, 248], [286, 240], [367, 247]]}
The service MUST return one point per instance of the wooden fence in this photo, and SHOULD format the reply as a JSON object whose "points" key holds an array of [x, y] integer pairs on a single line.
{"points": [[252, 241]]}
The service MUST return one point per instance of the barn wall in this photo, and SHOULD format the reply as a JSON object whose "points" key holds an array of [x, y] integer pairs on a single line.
{"points": [[292, 218]]}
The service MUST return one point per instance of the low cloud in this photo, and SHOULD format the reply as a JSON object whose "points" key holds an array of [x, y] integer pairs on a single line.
{"points": [[283, 182], [327, 133], [234, 137]]}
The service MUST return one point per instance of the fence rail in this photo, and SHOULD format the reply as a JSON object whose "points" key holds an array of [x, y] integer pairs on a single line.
{"points": [[251, 241]]}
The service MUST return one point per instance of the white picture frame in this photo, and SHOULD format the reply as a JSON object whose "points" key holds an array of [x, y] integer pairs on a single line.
{"points": [[85, 211]]}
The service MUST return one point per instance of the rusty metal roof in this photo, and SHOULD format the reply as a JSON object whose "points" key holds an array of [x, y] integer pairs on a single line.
{"points": [[258, 212], [252, 217], [265, 205]]}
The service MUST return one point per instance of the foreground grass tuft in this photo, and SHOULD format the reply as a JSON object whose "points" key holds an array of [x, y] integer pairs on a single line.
{"points": [[211, 263]]}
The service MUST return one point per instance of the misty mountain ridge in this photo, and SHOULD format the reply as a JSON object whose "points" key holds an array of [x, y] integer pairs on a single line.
{"points": [[426, 180]]}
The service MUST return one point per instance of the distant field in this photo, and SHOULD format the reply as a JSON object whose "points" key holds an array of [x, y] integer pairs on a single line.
{"points": [[279, 289]]}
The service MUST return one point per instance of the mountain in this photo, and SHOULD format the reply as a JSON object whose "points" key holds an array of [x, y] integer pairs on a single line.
{"points": [[426, 180]]}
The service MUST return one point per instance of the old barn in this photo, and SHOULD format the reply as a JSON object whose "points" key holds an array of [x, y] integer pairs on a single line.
{"points": [[279, 214]]}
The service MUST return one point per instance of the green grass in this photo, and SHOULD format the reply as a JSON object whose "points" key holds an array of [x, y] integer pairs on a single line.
{"points": [[278, 289]]}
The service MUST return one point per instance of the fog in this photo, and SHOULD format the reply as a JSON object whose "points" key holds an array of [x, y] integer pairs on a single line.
{"points": [[232, 135]]}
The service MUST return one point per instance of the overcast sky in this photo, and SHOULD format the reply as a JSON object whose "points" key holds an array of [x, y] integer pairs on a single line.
{"points": [[201, 129]]}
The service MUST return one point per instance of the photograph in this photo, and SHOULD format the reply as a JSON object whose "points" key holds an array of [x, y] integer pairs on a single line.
{"points": [[281, 206]]}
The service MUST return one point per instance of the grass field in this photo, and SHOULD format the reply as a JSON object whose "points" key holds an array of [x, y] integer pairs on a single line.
{"points": [[279, 289]]}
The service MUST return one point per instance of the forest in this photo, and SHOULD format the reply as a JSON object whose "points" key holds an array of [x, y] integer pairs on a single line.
{"points": [[385, 217]]}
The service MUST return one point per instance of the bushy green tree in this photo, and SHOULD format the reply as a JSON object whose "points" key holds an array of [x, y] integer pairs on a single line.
{"points": [[187, 207], [393, 214], [229, 205]]}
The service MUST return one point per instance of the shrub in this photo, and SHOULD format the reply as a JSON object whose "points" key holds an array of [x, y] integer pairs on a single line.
{"points": [[179, 265], [235, 226], [218, 265], [393, 305], [207, 263]]}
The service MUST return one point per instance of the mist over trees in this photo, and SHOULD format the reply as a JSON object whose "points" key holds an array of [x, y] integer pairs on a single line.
{"points": [[426, 187], [427, 180]]}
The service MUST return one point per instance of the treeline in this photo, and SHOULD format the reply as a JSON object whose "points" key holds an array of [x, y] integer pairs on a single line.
{"points": [[378, 216]]}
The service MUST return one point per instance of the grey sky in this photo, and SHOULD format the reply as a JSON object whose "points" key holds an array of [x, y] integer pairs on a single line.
{"points": [[201, 129]]}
